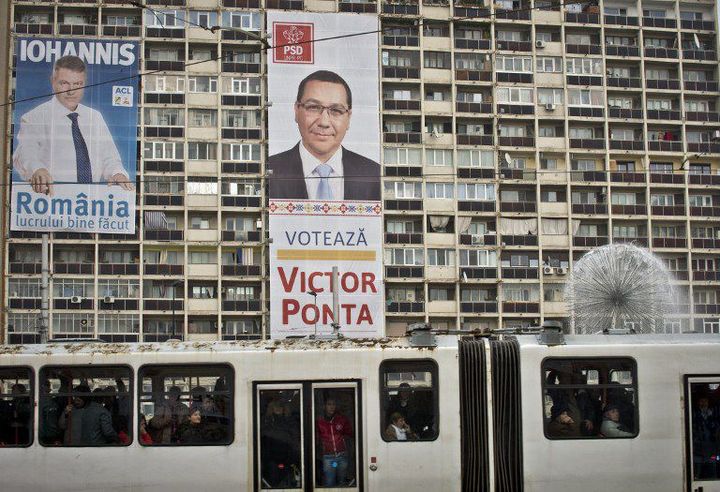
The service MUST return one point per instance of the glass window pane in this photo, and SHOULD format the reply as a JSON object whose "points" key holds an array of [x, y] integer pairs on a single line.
{"points": [[705, 427], [85, 406], [409, 400], [280, 439], [16, 406], [335, 443], [187, 405]]}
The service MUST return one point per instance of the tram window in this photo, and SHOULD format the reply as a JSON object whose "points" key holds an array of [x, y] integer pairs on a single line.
{"points": [[85, 406], [590, 398], [409, 400], [335, 441], [280, 438], [16, 406], [186, 405], [705, 422]]}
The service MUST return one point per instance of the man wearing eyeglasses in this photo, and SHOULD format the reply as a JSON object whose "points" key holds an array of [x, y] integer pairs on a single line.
{"points": [[319, 167], [62, 140]]}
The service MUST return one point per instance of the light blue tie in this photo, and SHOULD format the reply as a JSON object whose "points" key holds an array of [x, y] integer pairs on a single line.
{"points": [[323, 191]]}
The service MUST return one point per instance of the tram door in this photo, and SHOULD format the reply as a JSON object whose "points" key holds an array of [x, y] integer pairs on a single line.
{"points": [[307, 436], [702, 413]]}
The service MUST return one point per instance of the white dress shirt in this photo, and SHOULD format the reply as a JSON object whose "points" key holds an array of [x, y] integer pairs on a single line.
{"points": [[312, 179], [45, 141]]}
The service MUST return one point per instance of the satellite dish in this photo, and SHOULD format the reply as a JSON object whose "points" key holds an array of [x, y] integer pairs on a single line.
{"points": [[464, 276], [508, 159], [697, 41]]}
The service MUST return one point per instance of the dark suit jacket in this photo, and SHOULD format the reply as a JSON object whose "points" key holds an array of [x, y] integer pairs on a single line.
{"points": [[361, 176]]}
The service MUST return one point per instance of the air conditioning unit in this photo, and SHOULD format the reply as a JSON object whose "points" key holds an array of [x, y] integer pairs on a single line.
{"points": [[502, 110], [562, 270], [477, 239], [410, 296], [75, 300], [550, 107], [108, 299], [716, 135], [548, 270], [539, 43]]}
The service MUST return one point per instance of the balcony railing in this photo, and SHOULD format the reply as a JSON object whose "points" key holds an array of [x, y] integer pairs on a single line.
{"points": [[712, 117], [404, 204], [667, 209], [627, 177], [583, 49], [704, 147], [589, 208], [637, 240], [360, 8], [472, 44], [478, 272], [659, 22], [513, 45], [587, 143], [699, 54], [705, 211], [393, 8], [404, 238], [519, 272], [582, 18], [705, 243], [635, 145], [119, 269], [697, 25], [665, 145], [521, 240], [628, 114], [624, 82], [705, 179], [629, 209], [667, 178], [401, 105], [669, 242], [520, 307], [519, 207], [404, 272], [665, 84], [615, 50], [657, 52], [405, 307], [662, 114], [585, 111], [589, 241], [702, 86], [620, 20], [163, 269], [470, 107], [516, 141], [590, 176], [474, 139], [478, 307], [476, 206]]}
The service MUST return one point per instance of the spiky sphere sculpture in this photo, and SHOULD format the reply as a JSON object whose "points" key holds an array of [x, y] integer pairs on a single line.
{"points": [[617, 283]]}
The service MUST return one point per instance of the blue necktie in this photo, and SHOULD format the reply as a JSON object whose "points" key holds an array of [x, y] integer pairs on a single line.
{"points": [[323, 191], [82, 157]]}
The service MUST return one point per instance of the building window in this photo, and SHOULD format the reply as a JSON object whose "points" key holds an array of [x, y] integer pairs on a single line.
{"points": [[441, 257], [589, 398], [409, 400], [439, 190], [203, 151]]}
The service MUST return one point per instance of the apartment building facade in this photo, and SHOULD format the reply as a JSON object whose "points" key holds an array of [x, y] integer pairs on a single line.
{"points": [[516, 137]]}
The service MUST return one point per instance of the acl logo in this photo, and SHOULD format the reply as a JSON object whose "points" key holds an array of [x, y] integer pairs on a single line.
{"points": [[293, 42]]}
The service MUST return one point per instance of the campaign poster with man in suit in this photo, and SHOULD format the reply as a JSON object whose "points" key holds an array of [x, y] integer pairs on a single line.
{"points": [[75, 136], [323, 173]]}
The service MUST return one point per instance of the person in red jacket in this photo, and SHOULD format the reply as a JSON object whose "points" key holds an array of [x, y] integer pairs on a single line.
{"points": [[332, 430]]}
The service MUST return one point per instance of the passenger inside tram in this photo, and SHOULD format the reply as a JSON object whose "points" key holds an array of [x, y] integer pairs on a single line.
{"points": [[705, 434], [335, 437], [280, 441], [15, 416]]}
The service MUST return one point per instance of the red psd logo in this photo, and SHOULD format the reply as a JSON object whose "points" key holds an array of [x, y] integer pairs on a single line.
{"points": [[293, 42]]}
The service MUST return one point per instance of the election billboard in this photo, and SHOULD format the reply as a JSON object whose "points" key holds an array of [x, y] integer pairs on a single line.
{"points": [[75, 136], [325, 207]]}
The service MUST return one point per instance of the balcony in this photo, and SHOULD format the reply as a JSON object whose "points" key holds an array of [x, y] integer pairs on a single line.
{"points": [[701, 86], [403, 171], [518, 174], [705, 211], [582, 18], [77, 29], [479, 75], [589, 176], [164, 166], [697, 25], [523, 78], [659, 22], [470, 107], [475, 173], [663, 84], [73, 268], [665, 146], [119, 269], [584, 111], [171, 66], [587, 143], [522, 14], [472, 44], [164, 98], [669, 242], [662, 114], [405, 307], [465, 9], [615, 50], [401, 105], [163, 269], [164, 131], [404, 205], [667, 209], [703, 276], [707, 55], [516, 141], [625, 82], [240, 67], [520, 307], [620, 20], [629, 209], [162, 32], [240, 167], [518, 207], [583, 49], [653, 52], [24, 303], [358, 8], [285, 4], [706, 243], [468, 139], [589, 208], [242, 4], [514, 45], [163, 304], [404, 137], [164, 200], [404, 272], [242, 305], [395, 8], [633, 145], [476, 206], [68, 304], [638, 241], [712, 117], [408, 40], [119, 304], [242, 270], [589, 241], [522, 240], [478, 307], [240, 236], [478, 239], [240, 201], [628, 114], [667, 178], [404, 238], [174, 235], [523, 109], [627, 177], [519, 273], [584, 80], [703, 147], [705, 179], [478, 272], [26, 28]]}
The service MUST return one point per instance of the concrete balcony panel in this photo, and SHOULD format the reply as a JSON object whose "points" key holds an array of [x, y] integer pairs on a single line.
{"points": [[435, 12], [440, 44], [202, 99], [555, 308], [552, 208], [550, 79], [555, 241], [439, 205], [202, 337], [433, 171], [198, 34], [437, 76], [201, 235], [194, 305], [202, 133], [439, 239], [558, 112], [206, 67], [551, 143], [441, 307], [441, 273], [202, 167], [202, 270], [438, 107], [201, 201], [547, 17], [550, 49], [442, 139], [547, 177]]}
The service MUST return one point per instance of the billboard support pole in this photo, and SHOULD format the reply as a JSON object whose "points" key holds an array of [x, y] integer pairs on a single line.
{"points": [[336, 300], [44, 289]]}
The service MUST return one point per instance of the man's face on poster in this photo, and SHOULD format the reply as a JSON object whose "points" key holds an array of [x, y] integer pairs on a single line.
{"points": [[64, 79], [322, 127]]}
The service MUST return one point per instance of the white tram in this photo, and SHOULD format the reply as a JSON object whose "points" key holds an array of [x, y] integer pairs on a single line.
{"points": [[487, 414]]}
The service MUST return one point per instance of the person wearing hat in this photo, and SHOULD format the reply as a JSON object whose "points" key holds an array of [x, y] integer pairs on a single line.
{"points": [[168, 417], [610, 426], [561, 422]]}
